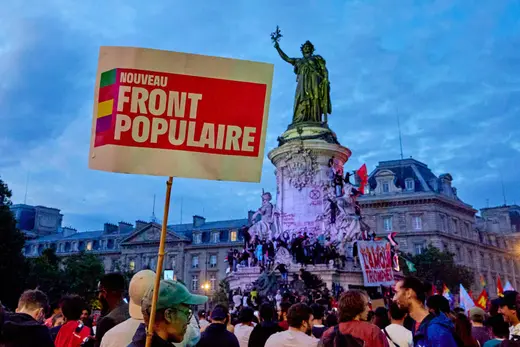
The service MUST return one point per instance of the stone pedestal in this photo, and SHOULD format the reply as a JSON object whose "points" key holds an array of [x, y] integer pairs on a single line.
{"points": [[302, 176]]}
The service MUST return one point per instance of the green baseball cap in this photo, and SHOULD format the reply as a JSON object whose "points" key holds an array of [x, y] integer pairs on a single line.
{"points": [[172, 293]]}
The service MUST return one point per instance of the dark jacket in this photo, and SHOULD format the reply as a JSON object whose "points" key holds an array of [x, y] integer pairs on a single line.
{"points": [[22, 330], [139, 339], [435, 331], [261, 332], [105, 323], [217, 335]]}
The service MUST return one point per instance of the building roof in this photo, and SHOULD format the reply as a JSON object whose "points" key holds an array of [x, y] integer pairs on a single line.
{"points": [[406, 169], [83, 235]]}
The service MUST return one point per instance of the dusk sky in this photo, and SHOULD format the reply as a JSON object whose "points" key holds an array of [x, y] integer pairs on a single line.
{"points": [[449, 68]]}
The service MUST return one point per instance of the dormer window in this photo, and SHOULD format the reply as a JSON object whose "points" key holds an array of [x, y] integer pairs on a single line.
{"points": [[386, 187], [409, 184], [215, 237], [197, 238]]}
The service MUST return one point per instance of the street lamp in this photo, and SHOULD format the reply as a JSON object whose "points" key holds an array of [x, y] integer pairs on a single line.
{"points": [[205, 287]]}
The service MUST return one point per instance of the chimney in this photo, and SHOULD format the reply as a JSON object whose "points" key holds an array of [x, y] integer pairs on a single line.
{"points": [[67, 231], [198, 221], [140, 224], [109, 228], [125, 227]]}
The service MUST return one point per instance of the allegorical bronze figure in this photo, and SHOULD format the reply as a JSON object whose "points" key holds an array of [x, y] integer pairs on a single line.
{"points": [[312, 100]]}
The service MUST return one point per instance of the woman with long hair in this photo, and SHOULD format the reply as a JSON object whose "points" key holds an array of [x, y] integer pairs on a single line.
{"points": [[463, 331]]}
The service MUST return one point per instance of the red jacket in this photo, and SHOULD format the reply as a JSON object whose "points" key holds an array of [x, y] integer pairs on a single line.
{"points": [[72, 334]]}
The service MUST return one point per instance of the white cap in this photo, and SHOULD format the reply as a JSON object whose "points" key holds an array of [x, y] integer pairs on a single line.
{"points": [[139, 285]]}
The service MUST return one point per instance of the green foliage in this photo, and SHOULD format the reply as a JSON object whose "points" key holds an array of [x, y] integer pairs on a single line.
{"points": [[221, 295], [12, 263], [44, 273], [82, 273], [437, 267]]}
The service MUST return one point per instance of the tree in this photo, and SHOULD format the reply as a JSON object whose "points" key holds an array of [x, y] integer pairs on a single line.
{"points": [[437, 267], [82, 273], [44, 273], [12, 261], [221, 296]]}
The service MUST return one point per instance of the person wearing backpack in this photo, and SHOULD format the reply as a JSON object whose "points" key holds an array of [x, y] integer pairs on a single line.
{"points": [[431, 330], [353, 330]]}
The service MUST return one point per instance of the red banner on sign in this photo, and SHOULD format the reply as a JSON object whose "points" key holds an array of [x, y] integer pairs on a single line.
{"points": [[376, 263], [159, 110]]}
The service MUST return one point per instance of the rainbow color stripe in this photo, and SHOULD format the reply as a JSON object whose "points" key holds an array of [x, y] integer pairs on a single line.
{"points": [[107, 95]]}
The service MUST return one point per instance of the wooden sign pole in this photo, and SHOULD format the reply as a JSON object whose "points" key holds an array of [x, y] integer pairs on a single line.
{"points": [[158, 271]]}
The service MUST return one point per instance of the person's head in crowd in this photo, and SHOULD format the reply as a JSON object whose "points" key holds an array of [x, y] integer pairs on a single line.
{"points": [[140, 283], [111, 288], [300, 317], [246, 316], [34, 303], [410, 293], [331, 320], [494, 307], [220, 315], [353, 305], [508, 307], [318, 312], [201, 314], [85, 314], [477, 316], [463, 330], [396, 314], [499, 327], [267, 312], [438, 304], [381, 317], [458, 310], [173, 312], [55, 308], [57, 320], [72, 307], [284, 308]]}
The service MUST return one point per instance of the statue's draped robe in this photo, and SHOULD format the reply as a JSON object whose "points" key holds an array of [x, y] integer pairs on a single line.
{"points": [[312, 97]]}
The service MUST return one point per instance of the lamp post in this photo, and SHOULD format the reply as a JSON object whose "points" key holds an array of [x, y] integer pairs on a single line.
{"points": [[205, 287]]}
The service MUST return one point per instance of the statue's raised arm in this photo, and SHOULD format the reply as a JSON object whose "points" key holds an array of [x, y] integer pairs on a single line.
{"points": [[283, 55]]}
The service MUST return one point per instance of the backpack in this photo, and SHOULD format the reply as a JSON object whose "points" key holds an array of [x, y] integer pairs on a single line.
{"points": [[344, 340]]}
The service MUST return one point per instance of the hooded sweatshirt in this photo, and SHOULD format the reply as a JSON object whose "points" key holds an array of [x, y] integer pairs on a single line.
{"points": [[22, 330], [435, 331]]}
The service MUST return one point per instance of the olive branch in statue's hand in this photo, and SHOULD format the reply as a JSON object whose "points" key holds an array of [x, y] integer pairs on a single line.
{"points": [[276, 35]]}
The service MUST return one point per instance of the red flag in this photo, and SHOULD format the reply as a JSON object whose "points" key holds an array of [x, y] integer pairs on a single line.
{"points": [[500, 289], [470, 293], [434, 290], [482, 300], [363, 178]]}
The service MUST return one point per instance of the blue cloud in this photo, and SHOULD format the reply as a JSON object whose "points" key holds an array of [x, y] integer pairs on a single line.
{"points": [[451, 71]]}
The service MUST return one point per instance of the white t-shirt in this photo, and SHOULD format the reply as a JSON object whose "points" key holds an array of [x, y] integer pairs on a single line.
{"points": [[121, 335], [400, 335], [291, 338], [242, 332]]}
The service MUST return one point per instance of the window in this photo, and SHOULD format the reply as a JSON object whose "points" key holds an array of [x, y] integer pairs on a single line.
{"points": [[131, 265], [386, 187], [387, 223], [89, 245], [445, 247], [213, 260], [410, 184], [443, 223], [195, 283], [215, 237], [197, 238], [110, 244], [213, 282], [367, 189], [455, 226], [417, 222], [233, 236], [195, 262], [482, 259], [459, 254], [418, 247], [470, 256]]}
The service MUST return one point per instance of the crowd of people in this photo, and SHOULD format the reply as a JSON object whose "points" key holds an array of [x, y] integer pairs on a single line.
{"points": [[410, 318]]}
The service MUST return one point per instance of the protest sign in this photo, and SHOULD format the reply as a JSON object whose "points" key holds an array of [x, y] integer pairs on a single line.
{"points": [[376, 263], [177, 114]]}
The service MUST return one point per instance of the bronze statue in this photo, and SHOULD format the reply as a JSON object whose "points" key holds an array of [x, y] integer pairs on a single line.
{"points": [[312, 99]]}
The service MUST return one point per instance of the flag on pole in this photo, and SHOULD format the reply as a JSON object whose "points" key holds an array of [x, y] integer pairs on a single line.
{"points": [[410, 265], [363, 178], [482, 300], [434, 290], [483, 282], [446, 293], [508, 286], [500, 289], [466, 302]]}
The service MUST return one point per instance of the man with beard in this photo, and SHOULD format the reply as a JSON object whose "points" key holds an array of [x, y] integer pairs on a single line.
{"points": [[300, 319], [114, 309], [431, 329]]}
